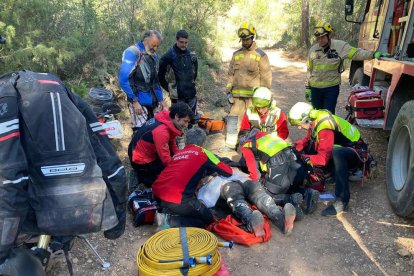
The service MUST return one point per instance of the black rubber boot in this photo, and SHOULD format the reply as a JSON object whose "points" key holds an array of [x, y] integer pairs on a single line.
{"points": [[296, 200]]}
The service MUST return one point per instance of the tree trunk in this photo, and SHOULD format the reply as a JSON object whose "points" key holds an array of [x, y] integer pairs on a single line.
{"points": [[304, 34]]}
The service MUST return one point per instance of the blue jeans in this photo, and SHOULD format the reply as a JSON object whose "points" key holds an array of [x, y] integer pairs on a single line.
{"points": [[325, 98], [345, 159]]}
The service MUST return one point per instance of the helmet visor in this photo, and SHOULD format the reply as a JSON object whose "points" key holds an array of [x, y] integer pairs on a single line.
{"points": [[320, 32], [257, 102], [244, 33]]}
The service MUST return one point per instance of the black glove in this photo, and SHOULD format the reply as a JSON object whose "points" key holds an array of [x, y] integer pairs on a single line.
{"points": [[308, 164], [252, 133]]}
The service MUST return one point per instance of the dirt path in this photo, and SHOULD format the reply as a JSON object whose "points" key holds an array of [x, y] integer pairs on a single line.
{"points": [[365, 241]]}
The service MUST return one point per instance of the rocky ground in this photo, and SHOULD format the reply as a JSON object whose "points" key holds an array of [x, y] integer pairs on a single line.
{"points": [[368, 240]]}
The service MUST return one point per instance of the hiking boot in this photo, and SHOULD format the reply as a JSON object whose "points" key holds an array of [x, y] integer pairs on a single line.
{"points": [[296, 200], [290, 215], [256, 224], [311, 200], [336, 208], [161, 221]]}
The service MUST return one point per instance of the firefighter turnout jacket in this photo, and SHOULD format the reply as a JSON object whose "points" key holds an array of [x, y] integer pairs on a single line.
{"points": [[274, 120], [326, 65], [326, 131], [249, 68], [182, 175], [57, 165]]}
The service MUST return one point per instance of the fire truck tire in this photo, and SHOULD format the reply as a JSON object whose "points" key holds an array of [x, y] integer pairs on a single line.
{"points": [[358, 77], [400, 163]]}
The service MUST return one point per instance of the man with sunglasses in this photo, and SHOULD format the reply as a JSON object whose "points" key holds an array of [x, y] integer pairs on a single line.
{"points": [[249, 68], [326, 63]]}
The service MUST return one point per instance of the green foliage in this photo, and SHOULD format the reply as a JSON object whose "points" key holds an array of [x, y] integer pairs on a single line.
{"points": [[82, 40]]}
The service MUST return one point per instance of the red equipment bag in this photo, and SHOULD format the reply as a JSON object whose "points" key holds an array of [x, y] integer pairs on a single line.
{"points": [[229, 229], [365, 104]]}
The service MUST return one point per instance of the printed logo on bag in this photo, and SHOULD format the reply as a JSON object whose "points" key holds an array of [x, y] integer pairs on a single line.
{"points": [[3, 108], [63, 169]]}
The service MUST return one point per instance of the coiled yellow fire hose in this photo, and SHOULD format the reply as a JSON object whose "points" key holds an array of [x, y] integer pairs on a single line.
{"points": [[162, 253]]}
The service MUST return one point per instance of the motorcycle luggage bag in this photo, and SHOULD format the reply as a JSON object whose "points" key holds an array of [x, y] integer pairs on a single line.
{"points": [[366, 104], [66, 190]]}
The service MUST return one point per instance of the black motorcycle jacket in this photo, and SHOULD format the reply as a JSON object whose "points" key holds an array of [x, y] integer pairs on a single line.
{"points": [[56, 162], [184, 65]]}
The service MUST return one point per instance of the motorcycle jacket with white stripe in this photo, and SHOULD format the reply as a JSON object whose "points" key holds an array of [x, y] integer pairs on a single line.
{"points": [[57, 165]]}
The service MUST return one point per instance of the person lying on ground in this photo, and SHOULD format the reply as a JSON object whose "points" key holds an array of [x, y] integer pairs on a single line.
{"points": [[153, 144], [175, 187]]}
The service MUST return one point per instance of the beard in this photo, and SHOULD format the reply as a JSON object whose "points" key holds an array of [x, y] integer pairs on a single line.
{"points": [[148, 51]]}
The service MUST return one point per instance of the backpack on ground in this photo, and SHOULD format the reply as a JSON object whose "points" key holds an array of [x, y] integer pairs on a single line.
{"points": [[230, 229], [142, 206]]}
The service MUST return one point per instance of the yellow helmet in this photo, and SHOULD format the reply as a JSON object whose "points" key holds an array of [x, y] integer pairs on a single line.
{"points": [[246, 30], [322, 28], [299, 113], [262, 97]]}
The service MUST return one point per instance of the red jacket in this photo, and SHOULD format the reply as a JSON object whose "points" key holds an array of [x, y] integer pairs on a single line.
{"points": [[281, 124], [156, 139], [182, 175], [323, 147]]}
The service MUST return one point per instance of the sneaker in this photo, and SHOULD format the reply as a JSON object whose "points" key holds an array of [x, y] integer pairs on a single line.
{"points": [[161, 221], [226, 149], [290, 215], [256, 223], [296, 200], [311, 200], [355, 176], [336, 208]]}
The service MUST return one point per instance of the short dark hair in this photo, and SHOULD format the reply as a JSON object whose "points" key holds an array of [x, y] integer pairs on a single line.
{"points": [[181, 33], [182, 110], [195, 136]]}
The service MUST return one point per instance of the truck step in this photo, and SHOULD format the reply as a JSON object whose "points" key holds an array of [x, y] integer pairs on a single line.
{"points": [[370, 123]]}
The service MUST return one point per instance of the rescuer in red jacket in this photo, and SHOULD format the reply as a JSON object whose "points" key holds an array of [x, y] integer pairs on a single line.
{"points": [[154, 144], [176, 185]]}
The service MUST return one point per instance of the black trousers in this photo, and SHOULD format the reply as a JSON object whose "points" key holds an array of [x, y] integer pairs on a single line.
{"points": [[148, 173], [344, 160], [238, 195], [190, 213]]}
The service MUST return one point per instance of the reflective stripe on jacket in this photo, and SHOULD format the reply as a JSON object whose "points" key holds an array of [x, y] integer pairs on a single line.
{"points": [[265, 146], [249, 68], [323, 71], [345, 133], [269, 124]]}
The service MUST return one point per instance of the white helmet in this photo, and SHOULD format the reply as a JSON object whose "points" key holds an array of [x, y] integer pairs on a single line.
{"points": [[262, 97], [299, 113]]}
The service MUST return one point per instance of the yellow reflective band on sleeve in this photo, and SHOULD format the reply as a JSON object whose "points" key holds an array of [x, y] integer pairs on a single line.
{"points": [[352, 53], [308, 63], [326, 67], [239, 56], [323, 84], [211, 156], [242, 92], [255, 57], [229, 85]]}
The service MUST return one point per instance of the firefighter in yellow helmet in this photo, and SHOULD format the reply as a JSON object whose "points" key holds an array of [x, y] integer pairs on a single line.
{"points": [[249, 68], [264, 115], [326, 63]]}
